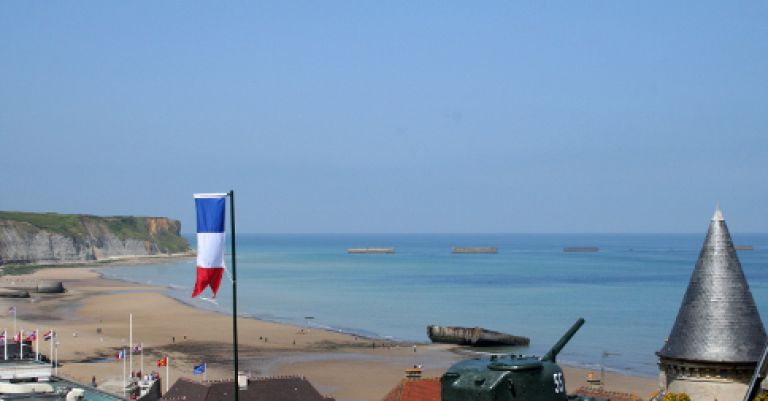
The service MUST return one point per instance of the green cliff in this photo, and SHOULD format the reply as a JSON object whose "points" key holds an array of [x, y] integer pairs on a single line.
{"points": [[49, 238]]}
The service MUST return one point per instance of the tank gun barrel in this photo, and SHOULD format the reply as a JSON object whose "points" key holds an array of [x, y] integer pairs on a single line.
{"points": [[552, 354]]}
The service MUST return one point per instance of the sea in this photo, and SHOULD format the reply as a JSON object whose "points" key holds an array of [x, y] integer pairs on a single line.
{"points": [[628, 292]]}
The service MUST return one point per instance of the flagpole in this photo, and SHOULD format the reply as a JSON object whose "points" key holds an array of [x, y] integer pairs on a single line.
{"points": [[142, 359], [21, 344], [234, 288], [124, 384], [5, 344], [14, 320], [37, 344], [130, 343], [53, 338], [56, 364], [167, 373]]}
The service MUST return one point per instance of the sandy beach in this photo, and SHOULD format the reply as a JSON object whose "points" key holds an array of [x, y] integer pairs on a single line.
{"points": [[92, 324]]}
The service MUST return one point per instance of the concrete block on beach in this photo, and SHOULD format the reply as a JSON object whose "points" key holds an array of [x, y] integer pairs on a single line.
{"points": [[475, 336], [8, 293], [31, 285]]}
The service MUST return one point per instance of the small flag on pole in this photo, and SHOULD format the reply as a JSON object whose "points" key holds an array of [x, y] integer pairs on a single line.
{"points": [[49, 335], [2, 336], [137, 348], [162, 361], [210, 241], [31, 336], [17, 337], [120, 355], [199, 369]]}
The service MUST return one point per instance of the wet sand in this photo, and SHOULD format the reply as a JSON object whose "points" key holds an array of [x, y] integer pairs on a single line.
{"points": [[340, 365]]}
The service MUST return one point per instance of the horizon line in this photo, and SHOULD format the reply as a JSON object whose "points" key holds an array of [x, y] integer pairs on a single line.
{"points": [[484, 233]]}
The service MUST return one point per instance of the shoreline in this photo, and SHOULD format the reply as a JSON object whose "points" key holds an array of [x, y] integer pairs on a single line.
{"points": [[359, 333], [106, 262], [463, 352], [344, 366]]}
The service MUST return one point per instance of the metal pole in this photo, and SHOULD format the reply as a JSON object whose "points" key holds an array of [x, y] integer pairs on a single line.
{"points": [[37, 344], [124, 384], [758, 376], [234, 289], [5, 343], [56, 364], [167, 373], [130, 343]]}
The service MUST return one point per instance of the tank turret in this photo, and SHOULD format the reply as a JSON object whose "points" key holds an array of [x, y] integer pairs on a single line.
{"points": [[509, 377]]}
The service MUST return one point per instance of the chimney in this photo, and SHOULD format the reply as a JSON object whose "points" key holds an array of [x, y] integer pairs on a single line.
{"points": [[242, 380]]}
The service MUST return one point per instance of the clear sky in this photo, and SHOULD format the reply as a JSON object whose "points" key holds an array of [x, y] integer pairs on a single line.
{"points": [[390, 116]]}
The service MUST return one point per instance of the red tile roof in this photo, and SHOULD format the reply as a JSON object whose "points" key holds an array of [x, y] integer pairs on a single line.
{"points": [[415, 390], [609, 395]]}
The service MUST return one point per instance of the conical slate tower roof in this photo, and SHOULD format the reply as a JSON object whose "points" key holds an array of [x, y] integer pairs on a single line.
{"points": [[718, 320]]}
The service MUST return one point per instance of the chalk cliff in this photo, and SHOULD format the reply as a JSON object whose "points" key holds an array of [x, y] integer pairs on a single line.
{"points": [[50, 238]]}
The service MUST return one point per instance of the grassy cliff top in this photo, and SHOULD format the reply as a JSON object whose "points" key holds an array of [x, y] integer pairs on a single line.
{"points": [[66, 224], [123, 227]]}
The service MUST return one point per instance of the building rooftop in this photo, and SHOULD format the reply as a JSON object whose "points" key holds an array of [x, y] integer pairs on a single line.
{"points": [[31, 372], [415, 390], [90, 393], [718, 320], [287, 388], [599, 393]]}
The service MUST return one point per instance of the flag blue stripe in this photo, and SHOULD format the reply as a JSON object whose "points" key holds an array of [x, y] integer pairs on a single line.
{"points": [[210, 214], [199, 369]]}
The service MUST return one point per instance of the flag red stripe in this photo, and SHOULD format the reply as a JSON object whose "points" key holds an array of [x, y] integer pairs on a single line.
{"points": [[208, 276]]}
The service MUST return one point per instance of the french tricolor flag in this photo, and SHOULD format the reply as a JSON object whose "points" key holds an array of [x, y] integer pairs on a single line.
{"points": [[210, 241]]}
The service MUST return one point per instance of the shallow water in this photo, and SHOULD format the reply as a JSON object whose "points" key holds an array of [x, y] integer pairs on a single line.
{"points": [[628, 292]]}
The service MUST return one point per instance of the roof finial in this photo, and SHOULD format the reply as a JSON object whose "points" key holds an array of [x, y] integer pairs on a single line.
{"points": [[718, 216]]}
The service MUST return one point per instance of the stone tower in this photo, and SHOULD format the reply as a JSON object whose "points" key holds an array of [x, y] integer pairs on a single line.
{"points": [[718, 336]]}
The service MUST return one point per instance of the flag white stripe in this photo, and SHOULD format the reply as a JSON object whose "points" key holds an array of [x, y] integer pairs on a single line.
{"points": [[213, 195], [210, 250]]}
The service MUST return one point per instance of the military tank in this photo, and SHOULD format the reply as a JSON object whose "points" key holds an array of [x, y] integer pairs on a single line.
{"points": [[510, 377]]}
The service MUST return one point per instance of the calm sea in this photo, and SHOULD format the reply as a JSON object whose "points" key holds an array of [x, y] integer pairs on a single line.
{"points": [[628, 292]]}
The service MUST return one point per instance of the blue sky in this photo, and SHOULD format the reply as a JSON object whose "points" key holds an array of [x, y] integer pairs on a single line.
{"points": [[359, 116]]}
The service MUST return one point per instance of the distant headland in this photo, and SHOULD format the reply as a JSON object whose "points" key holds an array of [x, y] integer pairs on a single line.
{"points": [[51, 238]]}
